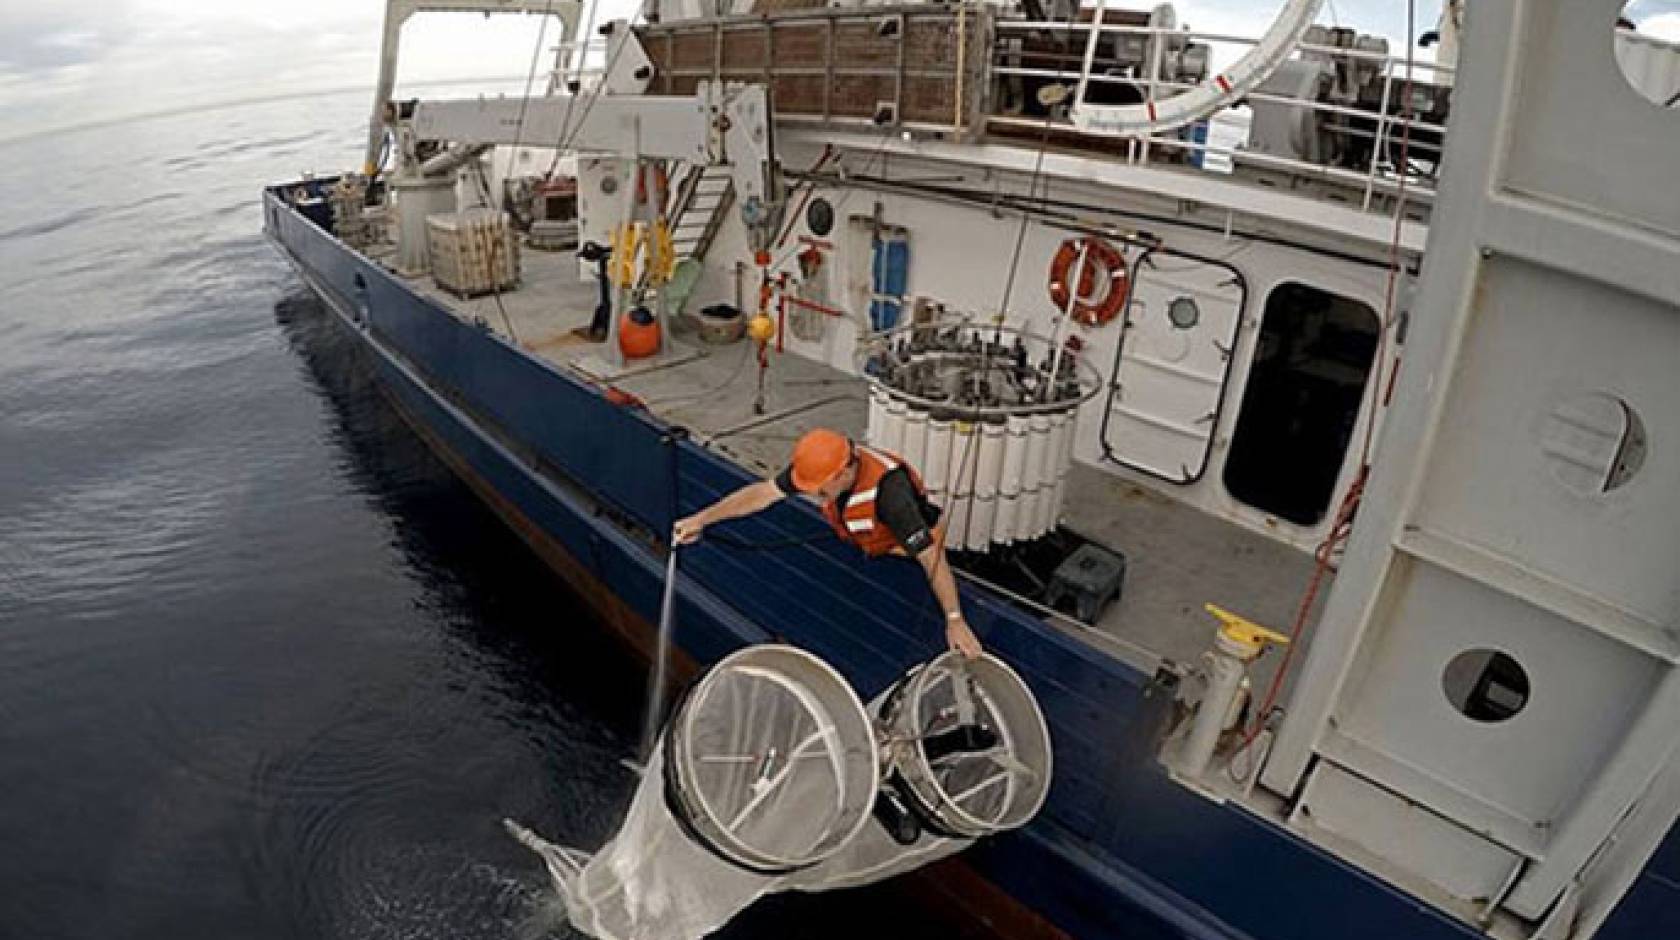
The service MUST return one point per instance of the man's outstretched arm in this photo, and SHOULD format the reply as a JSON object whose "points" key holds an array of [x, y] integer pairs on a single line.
{"points": [[754, 497], [944, 584], [899, 507]]}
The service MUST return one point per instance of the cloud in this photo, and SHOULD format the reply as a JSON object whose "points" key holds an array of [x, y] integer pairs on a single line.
{"points": [[43, 37], [104, 60], [77, 61], [1663, 26]]}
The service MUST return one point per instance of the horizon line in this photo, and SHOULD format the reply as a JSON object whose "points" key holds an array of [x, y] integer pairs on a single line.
{"points": [[235, 102]]}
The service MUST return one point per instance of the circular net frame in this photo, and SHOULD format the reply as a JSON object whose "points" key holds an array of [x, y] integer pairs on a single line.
{"points": [[974, 792], [775, 759]]}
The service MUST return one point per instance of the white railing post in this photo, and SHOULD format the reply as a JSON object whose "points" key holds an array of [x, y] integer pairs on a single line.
{"points": [[1157, 52], [1382, 132], [1090, 55]]}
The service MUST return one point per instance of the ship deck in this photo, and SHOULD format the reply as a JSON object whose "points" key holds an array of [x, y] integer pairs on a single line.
{"points": [[1178, 557]]}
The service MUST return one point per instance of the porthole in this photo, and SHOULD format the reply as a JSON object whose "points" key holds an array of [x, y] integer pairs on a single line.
{"points": [[1646, 42], [1184, 313], [819, 217], [1593, 443], [1485, 685]]}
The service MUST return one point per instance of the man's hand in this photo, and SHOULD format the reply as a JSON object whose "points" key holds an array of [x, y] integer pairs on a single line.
{"points": [[687, 531], [961, 638]]}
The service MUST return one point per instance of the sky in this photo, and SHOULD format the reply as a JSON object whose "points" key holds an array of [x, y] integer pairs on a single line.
{"points": [[66, 63]]}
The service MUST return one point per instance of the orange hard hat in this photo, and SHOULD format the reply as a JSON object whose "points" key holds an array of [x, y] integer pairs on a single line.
{"points": [[819, 457]]}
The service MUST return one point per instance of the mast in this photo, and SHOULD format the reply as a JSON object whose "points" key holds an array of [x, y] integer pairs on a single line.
{"points": [[397, 13]]}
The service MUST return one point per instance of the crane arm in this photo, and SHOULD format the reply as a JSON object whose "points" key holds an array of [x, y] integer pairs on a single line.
{"points": [[723, 124]]}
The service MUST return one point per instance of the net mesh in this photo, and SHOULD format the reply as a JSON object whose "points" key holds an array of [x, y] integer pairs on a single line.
{"points": [[767, 766], [654, 882], [765, 780], [768, 769], [980, 758], [967, 744]]}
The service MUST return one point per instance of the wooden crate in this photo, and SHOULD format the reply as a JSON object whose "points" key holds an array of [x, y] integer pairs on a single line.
{"points": [[843, 65], [473, 251]]}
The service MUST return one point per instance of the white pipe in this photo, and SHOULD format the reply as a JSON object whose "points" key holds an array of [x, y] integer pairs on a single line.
{"points": [[1219, 90], [892, 428], [1090, 54], [982, 524], [1064, 460], [1036, 474], [1010, 480], [1067, 311], [914, 451], [453, 158], [1224, 676], [934, 475], [965, 455]]}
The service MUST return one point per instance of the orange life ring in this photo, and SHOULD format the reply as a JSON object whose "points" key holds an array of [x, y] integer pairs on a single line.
{"points": [[1102, 282]]}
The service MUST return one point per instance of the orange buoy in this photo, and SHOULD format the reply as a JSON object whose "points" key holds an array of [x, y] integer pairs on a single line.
{"points": [[1102, 279], [638, 334], [761, 328]]}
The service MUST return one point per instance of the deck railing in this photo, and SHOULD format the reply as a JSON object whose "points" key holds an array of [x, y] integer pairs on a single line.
{"points": [[950, 71], [1076, 65]]}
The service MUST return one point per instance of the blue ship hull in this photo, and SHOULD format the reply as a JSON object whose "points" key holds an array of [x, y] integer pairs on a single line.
{"points": [[1119, 850]]}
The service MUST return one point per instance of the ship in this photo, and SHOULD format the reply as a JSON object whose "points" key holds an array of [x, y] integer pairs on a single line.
{"points": [[1304, 412]]}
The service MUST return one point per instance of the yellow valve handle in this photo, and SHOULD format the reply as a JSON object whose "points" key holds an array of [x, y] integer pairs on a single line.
{"points": [[662, 254], [626, 241], [616, 259], [1242, 630]]}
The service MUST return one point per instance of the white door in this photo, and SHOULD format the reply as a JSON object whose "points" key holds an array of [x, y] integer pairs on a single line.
{"points": [[1174, 360]]}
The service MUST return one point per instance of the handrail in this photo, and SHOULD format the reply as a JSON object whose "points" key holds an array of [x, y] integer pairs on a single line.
{"points": [[1082, 66], [1039, 26], [1303, 103], [1049, 26]]}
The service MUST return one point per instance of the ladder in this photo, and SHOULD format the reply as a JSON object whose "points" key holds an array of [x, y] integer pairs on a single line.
{"points": [[701, 204]]}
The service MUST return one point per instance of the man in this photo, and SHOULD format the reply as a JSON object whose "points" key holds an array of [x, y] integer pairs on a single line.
{"points": [[872, 499]]}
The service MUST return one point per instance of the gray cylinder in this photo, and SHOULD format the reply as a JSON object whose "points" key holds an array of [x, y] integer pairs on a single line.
{"points": [[416, 199]]}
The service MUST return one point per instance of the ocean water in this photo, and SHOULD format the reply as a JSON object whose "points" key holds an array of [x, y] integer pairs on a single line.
{"points": [[266, 668]]}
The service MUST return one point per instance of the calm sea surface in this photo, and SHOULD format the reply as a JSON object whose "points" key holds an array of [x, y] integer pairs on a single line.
{"points": [[266, 668]]}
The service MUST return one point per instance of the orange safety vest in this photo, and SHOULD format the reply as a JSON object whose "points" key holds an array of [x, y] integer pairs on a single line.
{"points": [[856, 521]]}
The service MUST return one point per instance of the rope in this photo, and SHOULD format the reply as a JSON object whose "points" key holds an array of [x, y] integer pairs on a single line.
{"points": [[810, 186], [770, 544], [531, 73], [734, 375], [493, 245], [493, 249], [814, 180], [569, 132], [1032, 187], [1026, 218], [1342, 527], [662, 656], [571, 99]]}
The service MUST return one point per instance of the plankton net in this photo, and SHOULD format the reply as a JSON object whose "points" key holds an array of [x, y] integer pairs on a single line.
{"points": [[771, 776], [966, 754], [768, 766]]}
